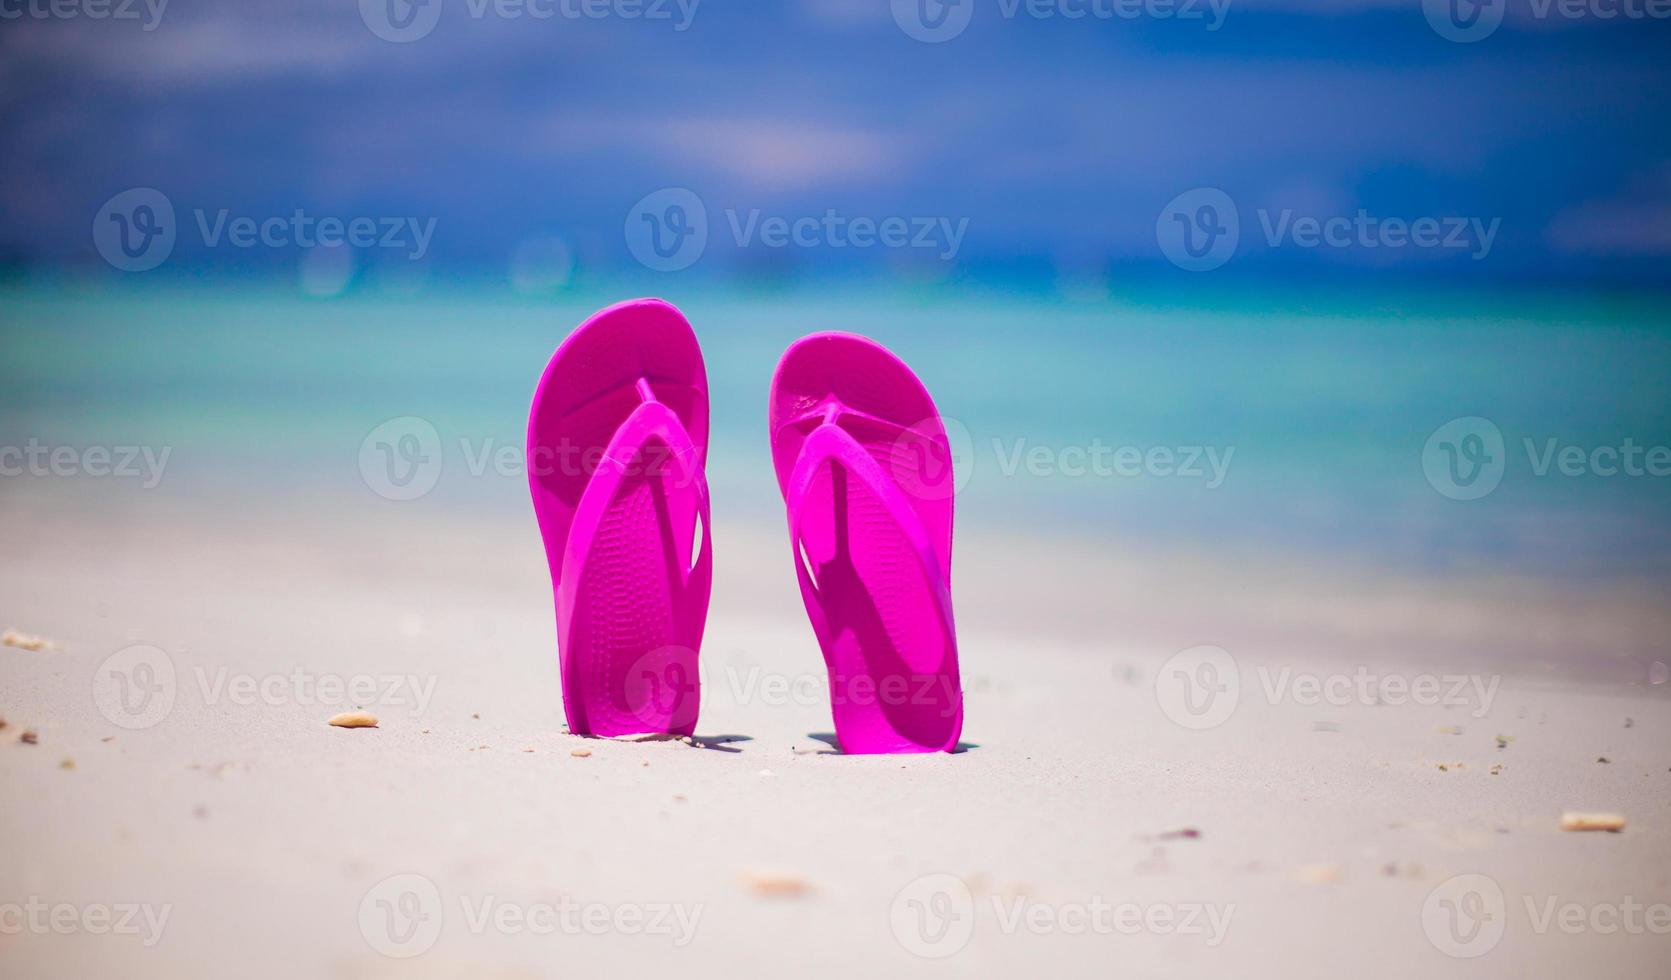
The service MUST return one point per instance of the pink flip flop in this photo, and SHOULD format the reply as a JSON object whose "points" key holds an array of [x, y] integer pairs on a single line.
{"points": [[617, 438], [865, 469]]}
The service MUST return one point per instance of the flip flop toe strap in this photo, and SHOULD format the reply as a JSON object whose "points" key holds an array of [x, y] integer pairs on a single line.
{"points": [[831, 443]]}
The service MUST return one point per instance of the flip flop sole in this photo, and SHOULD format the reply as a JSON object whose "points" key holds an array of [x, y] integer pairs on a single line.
{"points": [[864, 465], [616, 440]]}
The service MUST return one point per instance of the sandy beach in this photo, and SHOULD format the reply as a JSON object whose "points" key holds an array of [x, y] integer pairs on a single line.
{"points": [[1090, 825]]}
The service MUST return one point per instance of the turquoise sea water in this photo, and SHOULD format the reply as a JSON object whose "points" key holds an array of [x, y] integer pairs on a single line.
{"points": [[1317, 407]]}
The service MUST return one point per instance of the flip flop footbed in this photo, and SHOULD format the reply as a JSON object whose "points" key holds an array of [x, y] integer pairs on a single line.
{"points": [[616, 440], [864, 464]]}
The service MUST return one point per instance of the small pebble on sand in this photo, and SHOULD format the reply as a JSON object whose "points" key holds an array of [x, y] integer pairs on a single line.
{"points": [[1318, 874], [580, 753], [1578, 822], [30, 737], [354, 719], [773, 884], [24, 641]]}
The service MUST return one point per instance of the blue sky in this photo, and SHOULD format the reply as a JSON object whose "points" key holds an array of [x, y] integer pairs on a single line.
{"points": [[1056, 143]]}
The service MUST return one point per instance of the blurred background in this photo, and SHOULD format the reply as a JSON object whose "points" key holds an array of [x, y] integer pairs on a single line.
{"points": [[1363, 274]]}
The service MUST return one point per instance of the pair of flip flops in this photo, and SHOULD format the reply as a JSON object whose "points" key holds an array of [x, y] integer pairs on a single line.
{"points": [[617, 443]]}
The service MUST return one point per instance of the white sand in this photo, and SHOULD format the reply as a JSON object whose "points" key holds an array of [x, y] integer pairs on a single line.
{"points": [[1323, 829]]}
